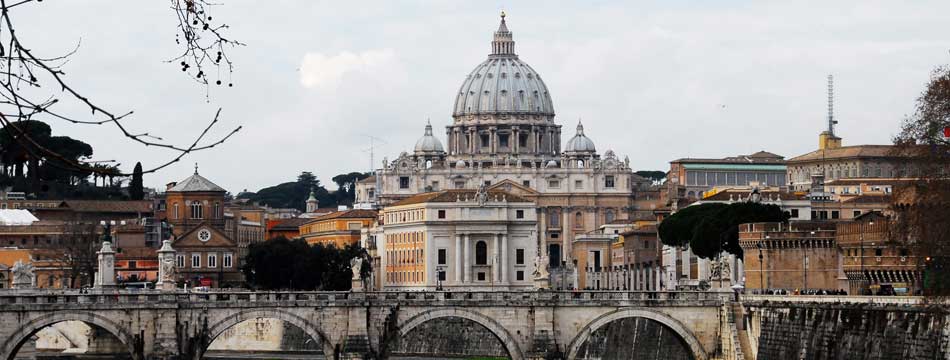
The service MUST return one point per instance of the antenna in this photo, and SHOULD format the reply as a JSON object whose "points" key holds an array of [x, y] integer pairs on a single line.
{"points": [[831, 105], [372, 150]]}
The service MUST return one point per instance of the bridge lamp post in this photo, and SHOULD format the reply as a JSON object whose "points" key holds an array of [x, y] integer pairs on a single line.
{"points": [[761, 266]]}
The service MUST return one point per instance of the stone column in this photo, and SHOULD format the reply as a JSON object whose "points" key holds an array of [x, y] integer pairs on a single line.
{"points": [[458, 258], [105, 277], [493, 139], [504, 259], [659, 275], [496, 254], [167, 267], [468, 258], [565, 234], [516, 135]]}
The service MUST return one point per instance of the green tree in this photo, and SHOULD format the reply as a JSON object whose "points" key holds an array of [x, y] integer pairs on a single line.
{"points": [[346, 186], [136, 191], [655, 175], [284, 264], [292, 194], [921, 208], [711, 228]]}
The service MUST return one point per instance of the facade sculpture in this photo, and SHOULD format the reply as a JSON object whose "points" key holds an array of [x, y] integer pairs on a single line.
{"points": [[23, 275]]}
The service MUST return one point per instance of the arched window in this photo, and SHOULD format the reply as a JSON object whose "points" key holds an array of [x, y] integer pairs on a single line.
{"points": [[217, 209], [177, 215], [196, 212], [481, 253], [578, 220], [609, 216], [555, 218]]}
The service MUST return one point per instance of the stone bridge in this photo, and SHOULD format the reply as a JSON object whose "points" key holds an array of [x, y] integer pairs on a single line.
{"points": [[357, 325]]}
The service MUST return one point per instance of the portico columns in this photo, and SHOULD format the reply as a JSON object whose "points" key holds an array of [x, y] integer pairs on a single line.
{"points": [[504, 259], [496, 267], [458, 258], [468, 258]]}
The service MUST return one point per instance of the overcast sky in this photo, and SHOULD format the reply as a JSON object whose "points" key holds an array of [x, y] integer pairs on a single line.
{"points": [[654, 82]]}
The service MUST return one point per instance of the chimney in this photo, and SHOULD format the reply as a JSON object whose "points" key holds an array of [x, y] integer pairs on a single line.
{"points": [[170, 185]]}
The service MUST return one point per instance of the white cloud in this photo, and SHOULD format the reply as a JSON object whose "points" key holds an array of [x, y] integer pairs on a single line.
{"points": [[318, 70]]}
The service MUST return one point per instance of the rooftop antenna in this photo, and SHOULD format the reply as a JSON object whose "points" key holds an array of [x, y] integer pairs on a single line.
{"points": [[831, 105], [372, 150]]}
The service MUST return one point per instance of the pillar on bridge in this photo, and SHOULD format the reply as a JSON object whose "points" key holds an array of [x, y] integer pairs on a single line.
{"points": [[166, 267], [105, 277]]}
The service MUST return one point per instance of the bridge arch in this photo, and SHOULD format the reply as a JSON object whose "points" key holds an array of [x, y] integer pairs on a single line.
{"points": [[699, 353], [514, 351], [268, 313], [12, 344]]}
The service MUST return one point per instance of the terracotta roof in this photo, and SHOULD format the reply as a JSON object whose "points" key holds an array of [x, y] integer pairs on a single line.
{"points": [[454, 195], [869, 199], [761, 157], [114, 206], [846, 152], [346, 214], [292, 224]]}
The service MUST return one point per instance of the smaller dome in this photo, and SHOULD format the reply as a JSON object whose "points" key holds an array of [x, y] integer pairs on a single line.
{"points": [[428, 143], [580, 142]]}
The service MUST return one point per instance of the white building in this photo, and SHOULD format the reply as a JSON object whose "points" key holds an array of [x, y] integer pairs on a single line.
{"points": [[458, 239]]}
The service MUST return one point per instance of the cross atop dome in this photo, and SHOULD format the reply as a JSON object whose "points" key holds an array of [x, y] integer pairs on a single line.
{"points": [[503, 44]]}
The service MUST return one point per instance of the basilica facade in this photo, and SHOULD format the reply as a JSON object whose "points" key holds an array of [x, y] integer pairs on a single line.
{"points": [[504, 136]]}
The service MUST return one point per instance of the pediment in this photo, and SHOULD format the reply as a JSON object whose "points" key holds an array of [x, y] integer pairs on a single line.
{"points": [[515, 188], [192, 238]]}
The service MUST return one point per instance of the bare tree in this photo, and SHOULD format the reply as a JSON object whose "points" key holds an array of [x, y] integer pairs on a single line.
{"points": [[76, 254], [922, 208], [33, 87]]}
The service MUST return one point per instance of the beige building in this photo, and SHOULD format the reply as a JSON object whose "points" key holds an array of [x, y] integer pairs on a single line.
{"points": [[503, 135], [457, 239]]}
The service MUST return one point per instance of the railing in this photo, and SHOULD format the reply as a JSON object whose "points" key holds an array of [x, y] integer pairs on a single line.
{"points": [[440, 298], [882, 300]]}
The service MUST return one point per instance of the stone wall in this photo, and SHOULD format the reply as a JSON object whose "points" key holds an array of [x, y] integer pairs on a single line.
{"points": [[849, 331], [634, 338], [450, 337], [264, 334]]}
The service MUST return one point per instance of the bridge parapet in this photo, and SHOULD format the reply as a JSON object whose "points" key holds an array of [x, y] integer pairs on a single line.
{"points": [[842, 299], [41, 298]]}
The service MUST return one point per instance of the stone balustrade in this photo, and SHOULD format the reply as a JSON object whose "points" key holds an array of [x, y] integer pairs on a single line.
{"points": [[842, 299]]}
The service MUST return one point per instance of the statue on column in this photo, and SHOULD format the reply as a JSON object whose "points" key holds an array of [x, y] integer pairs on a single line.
{"points": [[23, 276], [105, 276], [542, 277], [356, 267], [167, 267]]}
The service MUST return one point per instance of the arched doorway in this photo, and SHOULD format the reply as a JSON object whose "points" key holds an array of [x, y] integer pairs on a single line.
{"points": [[453, 333], [265, 333], [635, 334], [76, 332]]}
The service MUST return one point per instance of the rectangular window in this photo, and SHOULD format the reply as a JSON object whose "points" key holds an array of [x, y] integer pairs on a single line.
{"points": [[878, 252], [519, 275], [485, 140], [212, 260], [180, 261], [526, 183], [503, 140], [519, 256], [441, 275], [435, 186], [132, 264], [228, 260], [487, 182], [441, 214], [555, 235], [523, 140], [609, 181], [795, 213], [459, 184], [835, 214], [857, 213], [554, 184], [354, 225], [196, 260], [578, 184], [481, 276], [519, 214], [442, 257], [403, 182]]}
